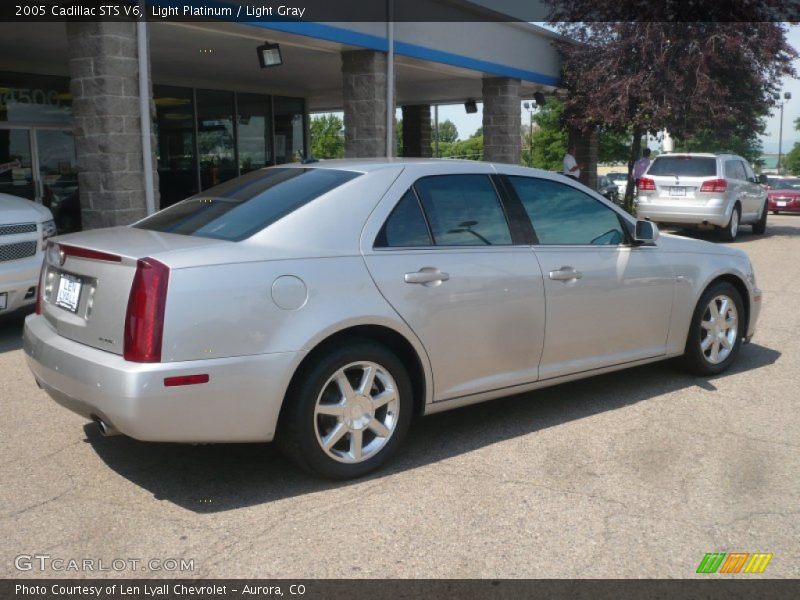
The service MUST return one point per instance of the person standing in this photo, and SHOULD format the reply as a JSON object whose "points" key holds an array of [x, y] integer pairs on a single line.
{"points": [[571, 166], [641, 166]]}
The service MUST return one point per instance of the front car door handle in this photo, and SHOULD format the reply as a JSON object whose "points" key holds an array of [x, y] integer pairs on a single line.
{"points": [[427, 276], [565, 274]]}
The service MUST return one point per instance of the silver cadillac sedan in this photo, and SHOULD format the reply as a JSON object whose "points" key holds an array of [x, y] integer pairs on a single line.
{"points": [[325, 305]]}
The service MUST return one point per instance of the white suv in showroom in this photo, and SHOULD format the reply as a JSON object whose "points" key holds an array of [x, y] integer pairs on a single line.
{"points": [[24, 227], [703, 190]]}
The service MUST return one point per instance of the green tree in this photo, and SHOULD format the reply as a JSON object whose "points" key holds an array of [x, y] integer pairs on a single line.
{"points": [[744, 142], [469, 149], [549, 138], [791, 161], [327, 136], [448, 132]]}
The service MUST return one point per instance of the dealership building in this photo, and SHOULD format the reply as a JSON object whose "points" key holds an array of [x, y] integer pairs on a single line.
{"points": [[73, 97]]}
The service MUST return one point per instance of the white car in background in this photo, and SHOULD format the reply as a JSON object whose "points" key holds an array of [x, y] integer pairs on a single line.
{"points": [[24, 227]]}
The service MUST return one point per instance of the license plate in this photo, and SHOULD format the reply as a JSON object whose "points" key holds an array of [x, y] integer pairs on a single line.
{"points": [[69, 292], [3, 300], [677, 191], [781, 202]]}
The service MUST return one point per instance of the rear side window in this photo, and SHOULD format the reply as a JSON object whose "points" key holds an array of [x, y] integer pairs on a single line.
{"points": [[563, 215], [406, 226], [463, 210], [687, 166], [734, 170], [243, 206]]}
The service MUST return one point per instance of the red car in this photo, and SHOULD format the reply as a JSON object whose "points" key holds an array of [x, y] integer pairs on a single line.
{"points": [[784, 195]]}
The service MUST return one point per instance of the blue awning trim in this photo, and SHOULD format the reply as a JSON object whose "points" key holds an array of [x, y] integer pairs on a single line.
{"points": [[374, 42]]}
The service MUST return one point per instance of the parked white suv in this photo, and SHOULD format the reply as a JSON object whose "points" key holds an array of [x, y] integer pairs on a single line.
{"points": [[706, 190], [24, 226]]}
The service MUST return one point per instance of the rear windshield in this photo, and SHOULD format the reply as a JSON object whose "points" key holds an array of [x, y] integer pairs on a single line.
{"points": [[243, 206], [688, 166]]}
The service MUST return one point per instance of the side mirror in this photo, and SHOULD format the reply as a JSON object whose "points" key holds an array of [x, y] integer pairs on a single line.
{"points": [[762, 179], [646, 232]]}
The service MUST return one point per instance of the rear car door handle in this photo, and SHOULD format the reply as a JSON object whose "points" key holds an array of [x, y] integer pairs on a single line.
{"points": [[427, 276], [565, 274]]}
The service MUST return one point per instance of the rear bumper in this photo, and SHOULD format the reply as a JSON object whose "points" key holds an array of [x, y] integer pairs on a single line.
{"points": [[17, 278], [789, 205], [661, 212], [240, 402]]}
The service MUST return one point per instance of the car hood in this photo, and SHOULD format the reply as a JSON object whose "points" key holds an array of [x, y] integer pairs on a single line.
{"points": [[14, 209]]}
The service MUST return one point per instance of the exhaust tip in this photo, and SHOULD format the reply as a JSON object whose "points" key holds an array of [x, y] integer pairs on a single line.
{"points": [[106, 430]]}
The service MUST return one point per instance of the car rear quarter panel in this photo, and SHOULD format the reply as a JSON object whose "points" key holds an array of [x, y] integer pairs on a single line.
{"points": [[226, 310]]}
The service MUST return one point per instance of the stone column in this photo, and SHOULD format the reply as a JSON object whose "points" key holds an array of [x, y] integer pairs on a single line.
{"points": [[364, 99], [104, 83], [586, 149], [502, 120], [417, 131]]}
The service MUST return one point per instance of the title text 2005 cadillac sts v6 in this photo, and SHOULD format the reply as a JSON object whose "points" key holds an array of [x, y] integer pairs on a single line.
{"points": [[324, 305]]}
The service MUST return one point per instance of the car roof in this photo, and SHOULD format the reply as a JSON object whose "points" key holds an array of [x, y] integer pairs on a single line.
{"points": [[699, 155], [366, 165]]}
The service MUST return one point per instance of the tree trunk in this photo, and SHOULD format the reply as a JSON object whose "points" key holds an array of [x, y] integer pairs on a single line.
{"points": [[636, 150]]}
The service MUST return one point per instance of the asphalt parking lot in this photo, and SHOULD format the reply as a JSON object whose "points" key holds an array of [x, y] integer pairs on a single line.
{"points": [[634, 474]]}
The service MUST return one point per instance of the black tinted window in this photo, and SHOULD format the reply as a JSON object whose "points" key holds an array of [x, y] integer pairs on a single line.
{"points": [[243, 206], [405, 226], [688, 166], [562, 214], [463, 210]]}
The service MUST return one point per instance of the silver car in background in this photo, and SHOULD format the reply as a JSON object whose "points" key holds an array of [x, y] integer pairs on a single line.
{"points": [[710, 190], [324, 305]]}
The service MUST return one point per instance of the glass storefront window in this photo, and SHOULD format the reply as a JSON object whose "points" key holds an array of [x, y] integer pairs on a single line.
{"points": [[35, 99], [289, 129], [254, 131], [215, 137], [175, 150], [58, 171], [16, 172]]}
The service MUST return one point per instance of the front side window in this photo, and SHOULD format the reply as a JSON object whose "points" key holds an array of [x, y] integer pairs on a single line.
{"points": [[243, 206], [406, 226], [563, 215], [463, 210]]}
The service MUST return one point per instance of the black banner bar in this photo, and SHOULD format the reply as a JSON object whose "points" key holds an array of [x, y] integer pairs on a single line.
{"points": [[741, 11], [712, 588]]}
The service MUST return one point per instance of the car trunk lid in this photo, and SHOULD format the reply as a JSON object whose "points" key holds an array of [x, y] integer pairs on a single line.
{"points": [[88, 276]]}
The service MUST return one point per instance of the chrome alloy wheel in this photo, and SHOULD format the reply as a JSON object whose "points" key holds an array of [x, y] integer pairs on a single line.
{"points": [[720, 328], [356, 412]]}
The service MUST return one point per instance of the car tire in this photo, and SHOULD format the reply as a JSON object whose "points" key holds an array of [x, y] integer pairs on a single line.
{"points": [[332, 425], [714, 340], [775, 212], [760, 226], [731, 230]]}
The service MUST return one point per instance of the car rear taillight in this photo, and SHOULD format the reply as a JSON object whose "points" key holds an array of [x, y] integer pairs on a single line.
{"points": [[144, 319], [714, 185], [646, 184]]}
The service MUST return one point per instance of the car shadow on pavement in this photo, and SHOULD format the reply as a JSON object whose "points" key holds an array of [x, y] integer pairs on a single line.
{"points": [[219, 477], [11, 330]]}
